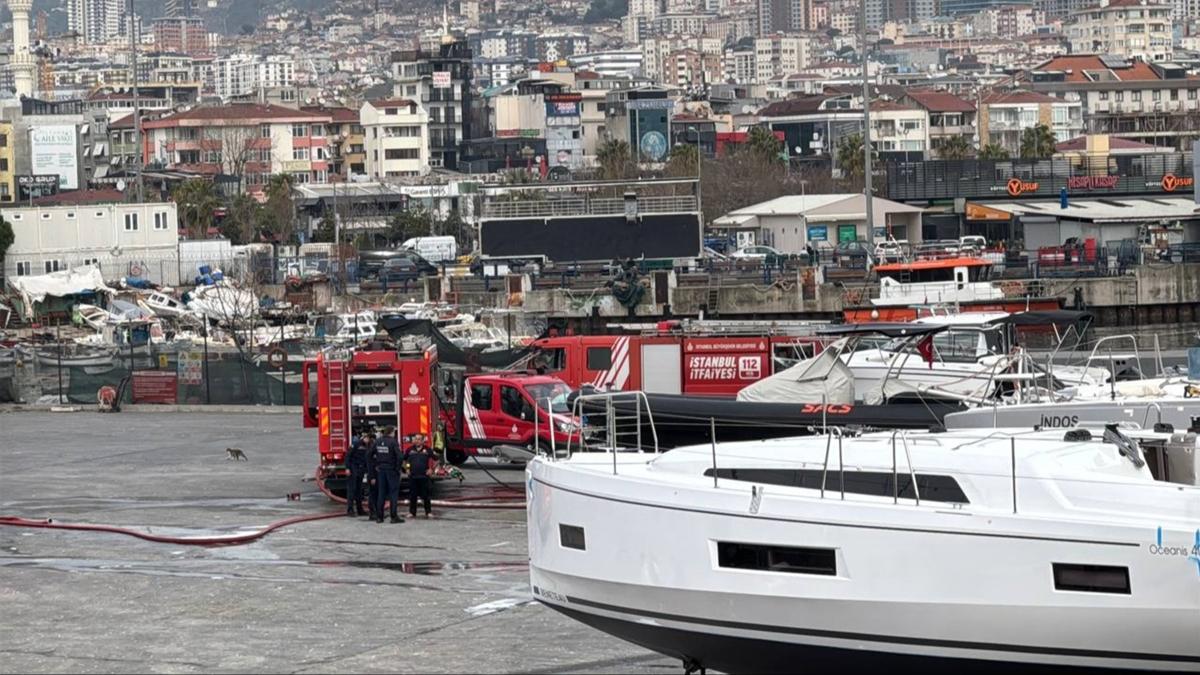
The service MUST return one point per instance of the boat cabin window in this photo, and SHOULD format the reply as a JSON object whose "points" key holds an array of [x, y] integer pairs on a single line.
{"points": [[481, 396], [933, 487], [959, 346], [599, 358], [791, 559], [572, 536], [1091, 578]]}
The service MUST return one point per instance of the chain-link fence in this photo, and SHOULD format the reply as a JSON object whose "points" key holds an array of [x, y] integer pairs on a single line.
{"points": [[190, 375]]}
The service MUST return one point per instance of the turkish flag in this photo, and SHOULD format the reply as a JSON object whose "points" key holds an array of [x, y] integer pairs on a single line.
{"points": [[925, 349]]}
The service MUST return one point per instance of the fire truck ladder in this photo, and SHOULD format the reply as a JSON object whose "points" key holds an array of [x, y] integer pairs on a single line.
{"points": [[337, 406]]}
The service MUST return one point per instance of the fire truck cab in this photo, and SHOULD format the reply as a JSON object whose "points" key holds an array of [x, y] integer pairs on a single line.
{"points": [[354, 392], [508, 408], [716, 366]]}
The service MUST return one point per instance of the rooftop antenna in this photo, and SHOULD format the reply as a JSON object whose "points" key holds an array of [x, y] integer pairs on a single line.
{"points": [[447, 38]]}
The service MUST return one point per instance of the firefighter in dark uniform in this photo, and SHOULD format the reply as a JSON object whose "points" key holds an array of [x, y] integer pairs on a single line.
{"points": [[356, 462], [418, 457], [385, 462]]}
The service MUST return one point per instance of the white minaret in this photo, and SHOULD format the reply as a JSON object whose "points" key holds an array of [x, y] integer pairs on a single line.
{"points": [[22, 60]]}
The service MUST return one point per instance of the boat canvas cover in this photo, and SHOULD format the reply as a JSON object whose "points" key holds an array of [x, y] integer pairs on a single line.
{"points": [[822, 379], [59, 284]]}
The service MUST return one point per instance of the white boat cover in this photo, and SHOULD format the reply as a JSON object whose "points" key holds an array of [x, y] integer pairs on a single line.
{"points": [[33, 290], [823, 378], [222, 302]]}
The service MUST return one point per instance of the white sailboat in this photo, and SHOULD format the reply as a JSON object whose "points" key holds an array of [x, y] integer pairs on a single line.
{"points": [[1004, 550]]}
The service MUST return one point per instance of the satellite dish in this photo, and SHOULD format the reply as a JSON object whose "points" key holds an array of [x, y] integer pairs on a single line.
{"points": [[115, 252], [120, 185]]}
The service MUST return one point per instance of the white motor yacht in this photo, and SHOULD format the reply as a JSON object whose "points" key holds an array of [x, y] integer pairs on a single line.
{"points": [[970, 551]]}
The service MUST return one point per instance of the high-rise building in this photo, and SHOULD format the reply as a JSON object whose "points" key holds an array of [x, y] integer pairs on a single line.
{"points": [[783, 16], [181, 8], [98, 21], [183, 34]]}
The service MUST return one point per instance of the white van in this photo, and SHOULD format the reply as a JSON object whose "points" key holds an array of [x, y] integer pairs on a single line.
{"points": [[433, 249]]}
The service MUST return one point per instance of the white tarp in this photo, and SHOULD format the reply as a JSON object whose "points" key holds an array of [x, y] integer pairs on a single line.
{"points": [[823, 378], [33, 290]]}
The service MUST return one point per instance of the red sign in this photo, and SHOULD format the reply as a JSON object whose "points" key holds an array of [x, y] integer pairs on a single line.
{"points": [[154, 386], [1017, 187], [1092, 182], [1170, 182], [564, 98]]}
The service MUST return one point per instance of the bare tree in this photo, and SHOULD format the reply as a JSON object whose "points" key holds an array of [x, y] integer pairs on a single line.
{"points": [[240, 147]]}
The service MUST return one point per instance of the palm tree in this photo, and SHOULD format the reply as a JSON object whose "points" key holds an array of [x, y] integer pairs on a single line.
{"points": [[615, 159], [1037, 142], [993, 152], [196, 200], [762, 142], [955, 147], [850, 156]]}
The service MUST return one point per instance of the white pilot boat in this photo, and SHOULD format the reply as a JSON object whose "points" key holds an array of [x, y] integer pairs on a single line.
{"points": [[1004, 550]]}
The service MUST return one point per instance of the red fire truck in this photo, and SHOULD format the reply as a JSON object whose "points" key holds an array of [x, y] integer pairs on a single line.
{"points": [[354, 392], [666, 363]]}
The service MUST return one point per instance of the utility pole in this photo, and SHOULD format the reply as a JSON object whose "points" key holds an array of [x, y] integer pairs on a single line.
{"points": [[137, 113], [870, 212]]}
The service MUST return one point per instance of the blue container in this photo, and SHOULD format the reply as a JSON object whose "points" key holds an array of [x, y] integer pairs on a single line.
{"points": [[217, 276], [207, 279]]}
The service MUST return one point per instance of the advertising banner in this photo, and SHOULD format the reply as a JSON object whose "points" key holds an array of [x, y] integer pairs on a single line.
{"points": [[54, 151]]}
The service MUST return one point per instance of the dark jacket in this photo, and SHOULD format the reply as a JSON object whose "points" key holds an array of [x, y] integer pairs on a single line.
{"points": [[385, 456], [418, 461], [356, 459]]}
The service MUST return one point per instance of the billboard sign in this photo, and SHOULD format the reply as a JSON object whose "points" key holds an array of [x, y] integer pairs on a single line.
{"points": [[441, 79], [32, 187], [55, 152]]}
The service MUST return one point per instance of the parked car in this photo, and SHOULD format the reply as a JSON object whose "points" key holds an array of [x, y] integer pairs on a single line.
{"points": [[893, 250], [435, 249], [765, 254], [851, 253], [937, 248], [399, 270], [972, 243]]}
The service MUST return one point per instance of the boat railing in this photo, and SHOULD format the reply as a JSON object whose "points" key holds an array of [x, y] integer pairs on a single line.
{"points": [[614, 419]]}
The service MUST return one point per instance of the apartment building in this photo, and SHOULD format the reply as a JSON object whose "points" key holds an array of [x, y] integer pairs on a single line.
{"points": [[245, 74], [949, 116], [899, 132], [246, 141], [8, 169], [1005, 115], [395, 138], [1126, 28], [1151, 102], [440, 82]]}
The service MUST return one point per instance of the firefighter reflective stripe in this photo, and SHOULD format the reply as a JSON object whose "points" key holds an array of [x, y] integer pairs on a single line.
{"points": [[617, 373], [473, 426], [323, 424], [424, 420]]}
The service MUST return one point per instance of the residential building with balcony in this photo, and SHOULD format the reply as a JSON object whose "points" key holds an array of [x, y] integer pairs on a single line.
{"points": [[812, 125], [237, 75], [395, 138], [181, 34], [347, 149], [243, 143], [1005, 115], [440, 82], [949, 116], [1127, 28], [899, 132], [1156, 103]]}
